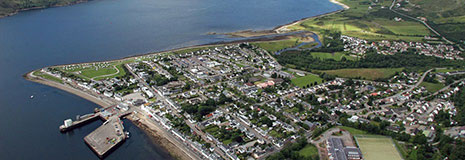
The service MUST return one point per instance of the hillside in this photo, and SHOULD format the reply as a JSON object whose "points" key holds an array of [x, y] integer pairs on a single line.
{"points": [[447, 16], [10, 7]]}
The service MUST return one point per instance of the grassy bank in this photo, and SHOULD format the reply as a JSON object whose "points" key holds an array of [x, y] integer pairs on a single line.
{"points": [[307, 80], [363, 20], [364, 73]]}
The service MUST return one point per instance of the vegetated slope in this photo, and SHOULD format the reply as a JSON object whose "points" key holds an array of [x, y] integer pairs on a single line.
{"points": [[8, 7], [447, 16], [367, 19]]}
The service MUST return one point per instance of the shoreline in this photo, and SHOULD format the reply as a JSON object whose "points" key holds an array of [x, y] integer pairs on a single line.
{"points": [[284, 28], [152, 130], [163, 142], [281, 28]]}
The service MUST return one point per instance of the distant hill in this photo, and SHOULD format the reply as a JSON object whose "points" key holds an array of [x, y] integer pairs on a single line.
{"points": [[447, 16], [10, 7]]}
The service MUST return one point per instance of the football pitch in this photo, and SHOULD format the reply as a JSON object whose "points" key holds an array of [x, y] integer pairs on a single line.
{"points": [[377, 148]]}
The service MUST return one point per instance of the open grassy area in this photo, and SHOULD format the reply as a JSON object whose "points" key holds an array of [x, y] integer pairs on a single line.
{"points": [[309, 151], [377, 148], [353, 131], [97, 71], [446, 16], [310, 45], [47, 76], [432, 87], [274, 46], [306, 80], [364, 73], [401, 148], [403, 27], [336, 56], [445, 70], [360, 21]]}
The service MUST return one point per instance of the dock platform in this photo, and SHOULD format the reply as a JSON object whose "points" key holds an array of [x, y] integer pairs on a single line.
{"points": [[109, 135], [106, 137]]}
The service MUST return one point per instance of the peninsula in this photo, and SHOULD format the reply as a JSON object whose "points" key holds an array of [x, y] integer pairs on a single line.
{"points": [[325, 87]]}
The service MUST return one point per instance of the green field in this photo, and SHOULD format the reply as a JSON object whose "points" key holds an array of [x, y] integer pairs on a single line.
{"points": [[309, 151], [364, 73], [445, 70], [92, 72], [432, 87], [371, 24], [306, 80], [353, 131], [377, 148], [274, 46], [47, 76], [310, 45], [403, 27], [336, 56]]}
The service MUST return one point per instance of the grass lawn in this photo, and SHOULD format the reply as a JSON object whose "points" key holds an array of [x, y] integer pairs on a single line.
{"points": [[47, 76], [377, 148], [309, 151], [121, 73], [306, 80], [432, 87], [401, 148], [403, 27], [228, 141], [274, 46], [364, 73], [336, 56], [91, 73], [358, 21], [310, 45], [353, 131], [445, 70]]}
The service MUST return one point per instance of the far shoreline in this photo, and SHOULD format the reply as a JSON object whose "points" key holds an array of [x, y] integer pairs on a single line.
{"points": [[17, 11]]}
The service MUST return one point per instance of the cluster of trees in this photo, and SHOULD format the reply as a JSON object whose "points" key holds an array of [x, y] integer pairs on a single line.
{"points": [[430, 78], [292, 152], [224, 134], [452, 78], [446, 146], [331, 42], [198, 111], [303, 60], [459, 101], [379, 129]]}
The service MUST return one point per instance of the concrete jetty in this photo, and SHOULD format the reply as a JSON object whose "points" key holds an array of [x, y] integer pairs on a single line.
{"points": [[109, 135], [106, 137]]}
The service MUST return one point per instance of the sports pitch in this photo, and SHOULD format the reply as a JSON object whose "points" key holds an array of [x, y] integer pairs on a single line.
{"points": [[377, 148]]}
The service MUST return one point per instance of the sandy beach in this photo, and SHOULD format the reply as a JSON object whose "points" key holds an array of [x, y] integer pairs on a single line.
{"points": [[159, 138], [285, 28]]}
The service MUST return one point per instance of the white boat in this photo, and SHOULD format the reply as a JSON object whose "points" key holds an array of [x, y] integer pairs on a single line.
{"points": [[32, 96]]}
